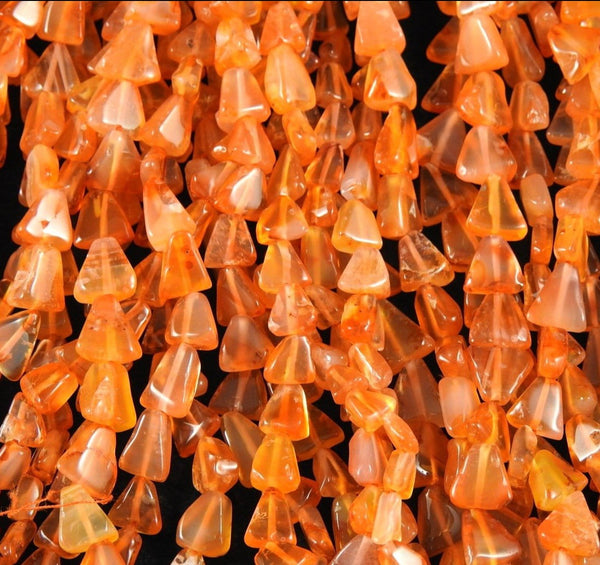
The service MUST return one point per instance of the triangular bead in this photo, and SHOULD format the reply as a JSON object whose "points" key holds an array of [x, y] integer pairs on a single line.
{"points": [[131, 55], [192, 322], [237, 294], [148, 451], [377, 29], [81, 521], [442, 48], [486, 537], [138, 506], [560, 302], [282, 266], [479, 46], [485, 153], [494, 268], [230, 244], [105, 396], [170, 126], [292, 312], [246, 144], [440, 139], [164, 215], [115, 104], [290, 362], [365, 273], [215, 466], [404, 340], [540, 408], [571, 526], [496, 212], [482, 481], [355, 227], [106, 270], [183, 270], [422, 263], [482, 102], [551, 480], [388, 82], [63, 23], [287, 83], [106, 335], [499, 322], [275, 465], [244, 346], [240, 96], [286, 413], [205, 526], [281, 25], [271, 521], [38, 282], [18, 334], [172, 385], [101, 216]]}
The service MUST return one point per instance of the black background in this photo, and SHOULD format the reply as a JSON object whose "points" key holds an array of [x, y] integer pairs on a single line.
{"points": [[177, 493]]}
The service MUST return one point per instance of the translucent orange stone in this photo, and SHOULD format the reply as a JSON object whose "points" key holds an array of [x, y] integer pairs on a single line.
{"points": [[494, 268], [573, 48], [529, 106], [482, 481], [377, 29], [48, 387], [404, 340], [192, 322], [170, 126], [172, 385], [105, 396], [82, 522], [396, 148], [292, 312], [246, 144], [183, 270], [539, 407], [355, 227], [274, 465], [484, 153], [479, 46], [549, 307], [205, 526], [331, 85], [421, 263], [106, 270], [138, 506], [388, 82], [290, 362], [281, 266], [499, 322], [486, 537], [573, 516], [46, 222], [287, 82], [237, 294], [500, 371], [18, 333], [125, 59], [215, 467], [482, 101], [244, 346], [281, 25], [38, 282], [148, 451], [271, 521], [164, 215], [106, 334], [286, 413]]}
